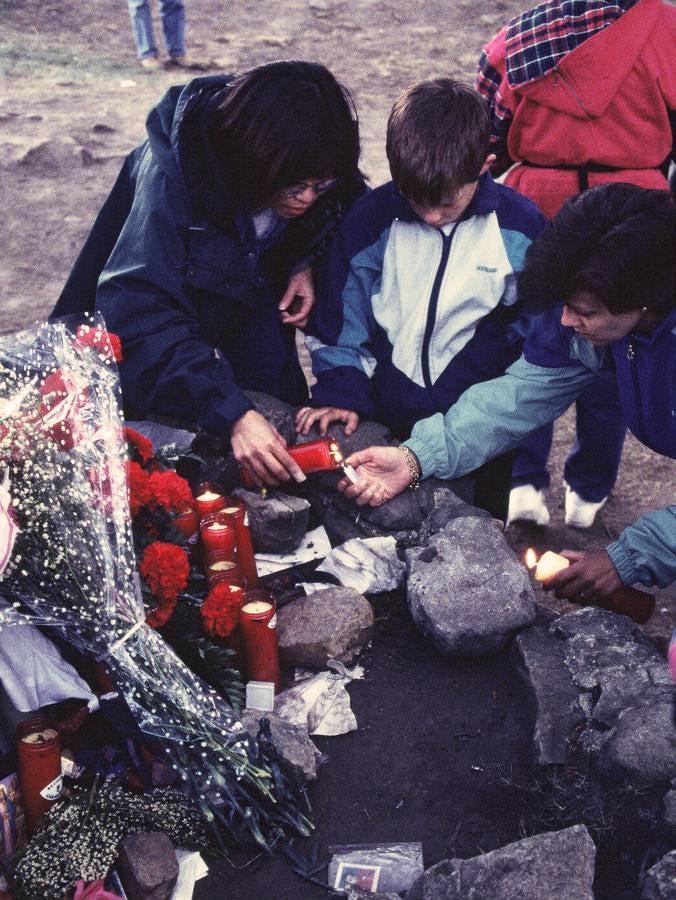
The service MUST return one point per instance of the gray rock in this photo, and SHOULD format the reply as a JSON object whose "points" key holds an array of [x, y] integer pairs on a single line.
{"points": [[557, 864], [467, 590], [660, 880], [642, 746], [291, 741], [278, 521], [336, 623], [147, 866], [540, 656], [670, 811], [278, 413]]}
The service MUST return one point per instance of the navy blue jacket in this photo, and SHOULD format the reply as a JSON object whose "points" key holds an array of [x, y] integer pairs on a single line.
{"points": [[180, 277]]}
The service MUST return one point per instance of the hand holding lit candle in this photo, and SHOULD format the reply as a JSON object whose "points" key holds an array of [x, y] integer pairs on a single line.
{"points": [[547, 566]]}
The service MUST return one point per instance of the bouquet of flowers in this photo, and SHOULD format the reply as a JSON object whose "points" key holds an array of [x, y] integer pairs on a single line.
{"points": [[70, 565]]}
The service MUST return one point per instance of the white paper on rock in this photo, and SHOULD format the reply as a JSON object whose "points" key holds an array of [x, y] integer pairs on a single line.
{"points": [[32, 671], [319, 702], [315, 545], [369, 565]]}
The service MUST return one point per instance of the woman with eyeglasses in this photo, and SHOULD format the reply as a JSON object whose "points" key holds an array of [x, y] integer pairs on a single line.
{"points": [[201, 259]]}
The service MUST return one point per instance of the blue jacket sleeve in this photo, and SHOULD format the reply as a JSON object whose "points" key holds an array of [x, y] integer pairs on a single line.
{"points": [[168, 369], [493, 416], [342, 325], [646, 550]]}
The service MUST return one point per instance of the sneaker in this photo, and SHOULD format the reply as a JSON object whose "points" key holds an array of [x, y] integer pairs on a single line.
{"points": [[183, 61], [150, 63], [580, 513], [527, 504]]}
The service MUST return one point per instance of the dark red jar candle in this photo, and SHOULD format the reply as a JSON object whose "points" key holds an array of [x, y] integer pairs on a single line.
{"points": [[218, 536], [238, 516], [317, 456], [258, 627], [188, 523], [209, 499], [39, 752], [218, 567]]}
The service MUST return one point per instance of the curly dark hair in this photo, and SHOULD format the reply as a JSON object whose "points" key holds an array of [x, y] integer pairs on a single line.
{"points": [[615, 241]]}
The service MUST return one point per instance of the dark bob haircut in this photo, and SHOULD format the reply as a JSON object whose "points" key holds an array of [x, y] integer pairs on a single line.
{"points": [[437, 139], [615, 241], [284, 122]]}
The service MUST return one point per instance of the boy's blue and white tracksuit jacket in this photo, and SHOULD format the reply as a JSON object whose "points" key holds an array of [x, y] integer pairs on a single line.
{"points": [[409, 315]]}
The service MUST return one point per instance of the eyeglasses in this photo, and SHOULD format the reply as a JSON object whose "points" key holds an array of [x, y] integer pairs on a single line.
{"points": [[319, 187]]}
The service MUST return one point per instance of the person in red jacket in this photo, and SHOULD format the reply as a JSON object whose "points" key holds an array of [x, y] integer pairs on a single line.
{"points": [[580, 93]]}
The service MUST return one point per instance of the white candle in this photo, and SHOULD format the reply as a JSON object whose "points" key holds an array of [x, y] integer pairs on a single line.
{"points": [[550, 563], [217, 526], [256, 606], [221, 566]]}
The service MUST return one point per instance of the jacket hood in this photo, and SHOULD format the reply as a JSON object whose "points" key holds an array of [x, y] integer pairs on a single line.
{"points": [[177, 130], [585, 81]]}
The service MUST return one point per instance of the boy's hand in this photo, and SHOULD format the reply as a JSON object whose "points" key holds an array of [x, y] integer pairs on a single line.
{"points": [[324, 415], [383, 473], [591, 576], [261, 449], [298, 300]]}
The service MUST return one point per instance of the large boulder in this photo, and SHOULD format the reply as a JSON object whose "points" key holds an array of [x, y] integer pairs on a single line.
{"points": [[467, 590], [557, 864], [336, 623]]}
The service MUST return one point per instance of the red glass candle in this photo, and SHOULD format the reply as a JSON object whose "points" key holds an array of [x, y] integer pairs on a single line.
{"points": [[188, 524], [317, 456], [217, 568], [39, 752], [218, 536], [258, 626], [237, 515], [209, 499]]}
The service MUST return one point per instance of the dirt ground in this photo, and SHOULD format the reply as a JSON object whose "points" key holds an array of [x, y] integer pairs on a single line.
{"points": [[72, 104]]}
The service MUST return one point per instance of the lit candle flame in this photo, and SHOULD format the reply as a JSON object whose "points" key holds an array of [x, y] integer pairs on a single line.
{"points": [[334, 451], [531, 558]]}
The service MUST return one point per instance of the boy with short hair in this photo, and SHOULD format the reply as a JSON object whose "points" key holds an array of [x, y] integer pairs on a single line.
{"points": [[419, 300]]}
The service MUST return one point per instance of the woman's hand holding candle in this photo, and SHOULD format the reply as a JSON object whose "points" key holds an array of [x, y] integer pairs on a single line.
{"points": [[591, 576], [325, 415], [260, 448]]}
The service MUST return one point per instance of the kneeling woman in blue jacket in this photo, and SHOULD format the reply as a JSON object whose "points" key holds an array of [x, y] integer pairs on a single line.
{"points": [[207, 238], [609, 255]]}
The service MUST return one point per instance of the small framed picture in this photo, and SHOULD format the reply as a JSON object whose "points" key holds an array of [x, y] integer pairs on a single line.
{"points": [[363, 878]]}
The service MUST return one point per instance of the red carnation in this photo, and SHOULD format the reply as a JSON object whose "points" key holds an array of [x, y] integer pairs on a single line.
{"points": [[139, 444], [165, 568], [99, 339], [169, 491], [220, 610], [140, 494]]}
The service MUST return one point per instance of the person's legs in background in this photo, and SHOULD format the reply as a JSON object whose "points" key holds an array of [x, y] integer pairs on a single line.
{"points": [[172, 13], [591, 469], [530, 478], [142, 27]]}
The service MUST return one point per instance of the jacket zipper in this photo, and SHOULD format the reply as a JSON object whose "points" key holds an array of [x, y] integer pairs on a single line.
{"points": [[631, 356], [446, 241]]}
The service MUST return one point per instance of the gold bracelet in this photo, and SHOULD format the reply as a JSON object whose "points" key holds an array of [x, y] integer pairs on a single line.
{"points": [[413, 467]]}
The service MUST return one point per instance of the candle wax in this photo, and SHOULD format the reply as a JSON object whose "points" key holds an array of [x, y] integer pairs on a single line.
{"points": [[221, 566], [40, 737], [550, 563], [256, 606], [208, 495]]}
